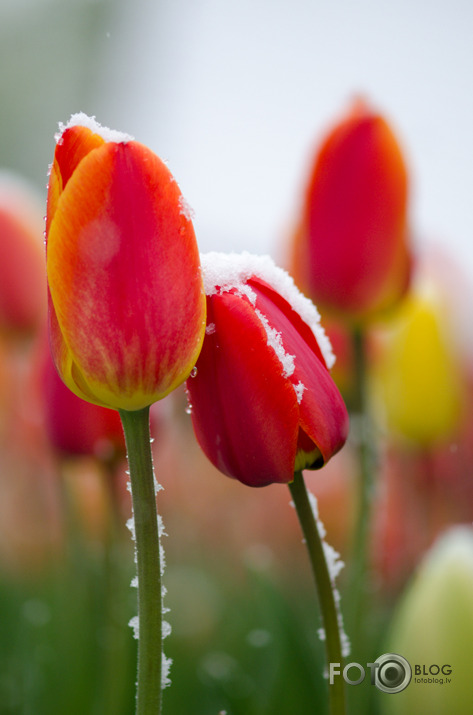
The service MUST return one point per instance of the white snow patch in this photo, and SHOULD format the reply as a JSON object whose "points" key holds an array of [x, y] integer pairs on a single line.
{"points": [[83, 120], [223, 272], [334, 563], [185, 209], [135, 624], [275, 341], [166, 629], [130, 524], [165, 668], [210, 329], [299, 389]]}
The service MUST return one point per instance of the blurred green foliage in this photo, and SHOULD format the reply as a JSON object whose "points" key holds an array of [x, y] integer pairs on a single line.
{"points": [[241, 643]]}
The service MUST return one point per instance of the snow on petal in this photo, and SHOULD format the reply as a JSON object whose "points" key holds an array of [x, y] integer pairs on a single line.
{"points": [[224, 272]]}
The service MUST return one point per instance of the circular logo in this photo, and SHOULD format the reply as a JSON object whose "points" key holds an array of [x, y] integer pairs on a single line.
{"points": [[393, 673]]}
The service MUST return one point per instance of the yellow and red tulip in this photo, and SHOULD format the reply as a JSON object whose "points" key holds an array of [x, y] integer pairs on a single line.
{"points": [[350, 250], [263, 402], [126, 301]]}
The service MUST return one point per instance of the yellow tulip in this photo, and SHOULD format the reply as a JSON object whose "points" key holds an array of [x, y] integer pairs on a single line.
{"points": [[418, 375]]}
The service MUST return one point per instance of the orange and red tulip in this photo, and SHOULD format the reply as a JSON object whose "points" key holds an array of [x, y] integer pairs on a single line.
{"points": [[263, 402], [126, 300], [351, 248]]}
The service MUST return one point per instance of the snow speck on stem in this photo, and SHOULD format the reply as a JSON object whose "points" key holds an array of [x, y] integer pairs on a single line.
{"points": [[134, 622], [334, 565]]}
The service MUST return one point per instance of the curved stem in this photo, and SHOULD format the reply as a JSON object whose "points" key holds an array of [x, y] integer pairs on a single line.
{"points": [[146, 532], [325, 588]]}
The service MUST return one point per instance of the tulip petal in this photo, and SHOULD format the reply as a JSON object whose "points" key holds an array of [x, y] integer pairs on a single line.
{"points": [[244, 410], [323, 415], [73, 145], [117, 277]]}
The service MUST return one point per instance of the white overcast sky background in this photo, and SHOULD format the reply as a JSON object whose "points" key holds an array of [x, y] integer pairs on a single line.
{"points": [[236, 95]]}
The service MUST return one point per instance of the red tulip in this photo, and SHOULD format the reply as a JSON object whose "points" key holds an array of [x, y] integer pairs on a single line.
{"points": [[351, 252], [22, 296], [75, 427], [127, 307], [263, 402]]}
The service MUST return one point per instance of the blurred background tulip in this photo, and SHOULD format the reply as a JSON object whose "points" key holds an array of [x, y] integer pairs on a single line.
{"points": [[22, 302], [76, 427], [419, 370], [351, 251], [422, 395], [30, 521], [433, 629]]}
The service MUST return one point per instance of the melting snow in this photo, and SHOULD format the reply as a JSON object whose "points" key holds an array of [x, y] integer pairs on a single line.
{"points": [[165, 668], [135, 621], [334, 565], [299, 390], [185, 209], [83, 120], [275, 341], [135, 624], [223, 272]]}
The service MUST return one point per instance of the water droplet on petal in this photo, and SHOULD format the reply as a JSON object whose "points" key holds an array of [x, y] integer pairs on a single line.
{"points": [[193, 372]]}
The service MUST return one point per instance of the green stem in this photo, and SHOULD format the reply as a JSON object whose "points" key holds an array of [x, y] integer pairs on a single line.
{"points": [[360, 557], [137, 438], [325, 589], [116, 651]]}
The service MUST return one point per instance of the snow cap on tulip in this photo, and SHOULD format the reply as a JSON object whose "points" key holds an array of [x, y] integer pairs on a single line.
{"points": [[127, 307], [350, 252], [263, 403]]}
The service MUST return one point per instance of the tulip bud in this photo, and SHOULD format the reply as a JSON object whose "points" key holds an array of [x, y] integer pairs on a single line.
{"points": [[433, 630], [263, 402], [350, 250], [127, 307]]}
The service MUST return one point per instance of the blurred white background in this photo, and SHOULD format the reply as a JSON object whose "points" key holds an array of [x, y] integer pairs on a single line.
{"points": [[236, 95]]}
